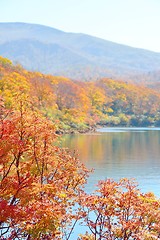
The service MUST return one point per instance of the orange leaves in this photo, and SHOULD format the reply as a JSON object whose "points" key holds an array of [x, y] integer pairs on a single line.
{"points": [[78, 105], [37, 179], [41, 185], [13, 85], [120, 211], [41, 188], [7, 211]]}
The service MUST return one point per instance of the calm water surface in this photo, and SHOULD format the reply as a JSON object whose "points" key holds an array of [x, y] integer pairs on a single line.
{"points": [[120, 152]]}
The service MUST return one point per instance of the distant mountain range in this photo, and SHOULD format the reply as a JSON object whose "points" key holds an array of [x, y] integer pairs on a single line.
{"points": [[75, 55]]}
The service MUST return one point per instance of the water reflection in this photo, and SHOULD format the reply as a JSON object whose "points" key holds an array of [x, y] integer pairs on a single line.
{"points": [[117, 153]]}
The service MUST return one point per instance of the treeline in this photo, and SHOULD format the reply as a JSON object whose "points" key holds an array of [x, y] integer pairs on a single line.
{"points": [[80, 106], [42, 188], [42, 194]]}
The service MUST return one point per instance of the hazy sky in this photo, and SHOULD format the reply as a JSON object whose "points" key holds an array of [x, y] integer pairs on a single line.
{"points": [[132, 22]]}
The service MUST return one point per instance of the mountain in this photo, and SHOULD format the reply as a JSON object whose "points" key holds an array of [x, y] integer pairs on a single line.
{"points": [[75, 55]]}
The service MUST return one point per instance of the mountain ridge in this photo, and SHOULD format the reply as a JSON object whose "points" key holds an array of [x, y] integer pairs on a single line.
{"points": [[75, 55]]}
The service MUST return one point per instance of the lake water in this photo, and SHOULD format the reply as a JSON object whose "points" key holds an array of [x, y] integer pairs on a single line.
{"points": [[120, 152]]}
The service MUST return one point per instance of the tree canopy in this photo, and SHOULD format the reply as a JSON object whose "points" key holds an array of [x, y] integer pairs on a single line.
{"points": [[42, 192]]}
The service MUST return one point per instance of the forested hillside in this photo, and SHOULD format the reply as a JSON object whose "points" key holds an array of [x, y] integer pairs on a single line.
{"points": [[78, 106], [42, 192]]}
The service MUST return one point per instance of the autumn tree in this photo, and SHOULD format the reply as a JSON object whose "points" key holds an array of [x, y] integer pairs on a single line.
{"points": [[13, 84], [119, 211], [39, 182], [71, 100], [42, 94]]}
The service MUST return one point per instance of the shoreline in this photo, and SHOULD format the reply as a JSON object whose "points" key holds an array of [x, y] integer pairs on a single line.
{"points": [[94, 129]]}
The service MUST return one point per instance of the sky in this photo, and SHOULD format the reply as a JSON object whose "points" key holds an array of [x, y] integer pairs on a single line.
{"points": [[131, 22]]}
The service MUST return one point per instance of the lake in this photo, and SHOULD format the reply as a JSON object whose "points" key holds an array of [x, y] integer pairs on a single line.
{"points": [[120, 152]]}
